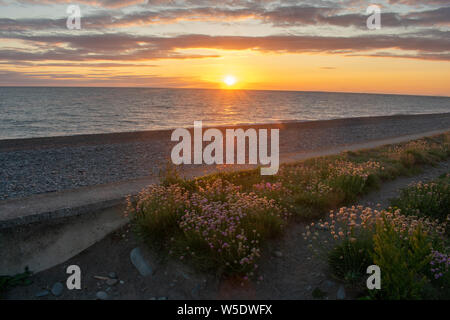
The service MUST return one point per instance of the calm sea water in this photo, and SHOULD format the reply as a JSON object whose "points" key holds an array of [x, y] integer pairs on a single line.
{"points": [[42, 112]]}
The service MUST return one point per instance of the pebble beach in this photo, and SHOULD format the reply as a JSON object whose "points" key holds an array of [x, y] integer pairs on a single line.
{"points": [[41, 165]]}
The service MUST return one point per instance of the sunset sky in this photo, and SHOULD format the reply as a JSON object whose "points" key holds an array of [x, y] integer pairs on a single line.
{"points": [[309, 45]]}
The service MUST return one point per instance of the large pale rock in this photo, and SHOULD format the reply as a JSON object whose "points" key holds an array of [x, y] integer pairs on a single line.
{"points": [[141, 264]]}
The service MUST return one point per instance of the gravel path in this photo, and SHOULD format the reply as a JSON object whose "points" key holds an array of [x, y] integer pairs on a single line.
{"points": [[32, 166]]}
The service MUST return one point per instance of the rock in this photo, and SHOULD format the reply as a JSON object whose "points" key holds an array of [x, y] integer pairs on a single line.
{"points": [[162, 298], [57, 289], [139, 262], [278, 254], [112, 282], [122, 282], [112, 275], [42, 293], [329, 284], [340, 295], [101, 295]]}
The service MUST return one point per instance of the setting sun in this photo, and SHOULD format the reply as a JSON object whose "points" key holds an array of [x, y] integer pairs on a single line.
{"points": [[230, 80]]}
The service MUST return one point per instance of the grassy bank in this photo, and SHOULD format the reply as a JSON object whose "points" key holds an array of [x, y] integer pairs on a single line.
{"points": [[220, 222]]}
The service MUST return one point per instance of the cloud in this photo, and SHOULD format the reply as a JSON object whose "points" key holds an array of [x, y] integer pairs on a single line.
{"points": [[97, 3], [127, 47], [419, 2], [331, 16], [15, 78], [420, 56], [279, 16]]}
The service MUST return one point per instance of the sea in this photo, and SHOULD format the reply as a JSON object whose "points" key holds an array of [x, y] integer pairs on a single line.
{"points": [[28, 112]]}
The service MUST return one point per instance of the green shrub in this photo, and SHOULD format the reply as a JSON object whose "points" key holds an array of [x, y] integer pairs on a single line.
{"points": [[403, 259], [157, 210], [426, 199], [349, 260], [402, 246]]}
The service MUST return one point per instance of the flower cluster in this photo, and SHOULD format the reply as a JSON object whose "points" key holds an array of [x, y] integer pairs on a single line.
{"points": [[158, 199], [267, 186], [216, 190], [349, 223], [430, 199], [218, 223], [218, 227], [417, 145], [440, 264], [231, 231], [348, 168], [318, 188]]}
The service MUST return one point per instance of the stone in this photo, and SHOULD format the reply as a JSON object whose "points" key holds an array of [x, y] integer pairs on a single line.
{"points": [[42, 293], [112, 282], [101, 295], [329, 284], [340, 295], [57, 289], [139, 262], [278, 254], [162, 298], [112, 275]]}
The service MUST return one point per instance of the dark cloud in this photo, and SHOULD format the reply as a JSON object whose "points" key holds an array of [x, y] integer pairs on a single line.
{"points": [[332, 16], [126, 47], [279, 16], [419, 2]]}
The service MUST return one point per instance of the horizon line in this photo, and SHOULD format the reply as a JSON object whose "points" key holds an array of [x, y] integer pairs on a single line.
{"points": [[230, 90]]}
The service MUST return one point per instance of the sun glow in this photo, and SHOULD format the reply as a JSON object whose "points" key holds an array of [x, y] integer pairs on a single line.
{"points": [[230, 80]]}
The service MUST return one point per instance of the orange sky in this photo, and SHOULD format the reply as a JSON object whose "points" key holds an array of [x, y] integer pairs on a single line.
{"points": [[303, 47], [267, 71]]}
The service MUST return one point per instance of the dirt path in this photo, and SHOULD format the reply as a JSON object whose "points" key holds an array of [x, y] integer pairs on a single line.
{"points": [[287, 267]]}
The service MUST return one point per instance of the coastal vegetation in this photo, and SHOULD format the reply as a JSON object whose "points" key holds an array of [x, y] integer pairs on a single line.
{"points": [[409, 242], [21, 279], [221, 222]]}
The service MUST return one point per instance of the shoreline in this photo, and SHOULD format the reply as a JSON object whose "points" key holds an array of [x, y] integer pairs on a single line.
{"points": [[43, 165], [131, 136]]}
